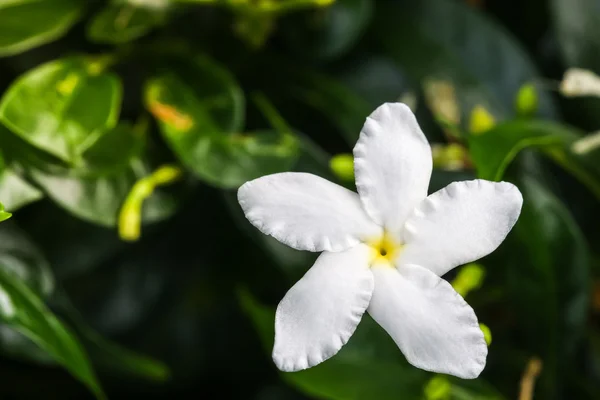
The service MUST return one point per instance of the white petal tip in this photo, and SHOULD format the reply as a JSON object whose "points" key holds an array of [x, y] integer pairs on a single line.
{"points": [[509, 188], [285, 364]]}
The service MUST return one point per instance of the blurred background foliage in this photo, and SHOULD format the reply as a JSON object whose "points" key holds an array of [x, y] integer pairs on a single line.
{"points": [[127, 268]]}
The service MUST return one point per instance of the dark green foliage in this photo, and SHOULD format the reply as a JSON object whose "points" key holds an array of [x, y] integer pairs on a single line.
{"points": [[127, 268]]}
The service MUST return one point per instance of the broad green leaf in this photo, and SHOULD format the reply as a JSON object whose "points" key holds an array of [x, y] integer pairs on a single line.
{"points": [[109, 355], [494, 150], [202, 122], [97, 187], [121, 23], [368, 367], [547, 262], [327, 33], [16, 192], [20, 257], [90, 245], [99, 199], [575, 24], [376, 79], [51, 106], [25, 24], [116, 358], [23, 259], [576, 28], [448, 40], [24, 311], [336, 102], [113, 151]]}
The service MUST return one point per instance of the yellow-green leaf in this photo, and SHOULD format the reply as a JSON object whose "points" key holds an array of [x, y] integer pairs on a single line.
{"points": [[25, 24], [121, 23], [493, 151], [200, 111], [23, 310], [50, 106]]}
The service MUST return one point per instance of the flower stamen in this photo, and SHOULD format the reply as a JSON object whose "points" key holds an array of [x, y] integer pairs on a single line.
{"points": [[385, 249]]}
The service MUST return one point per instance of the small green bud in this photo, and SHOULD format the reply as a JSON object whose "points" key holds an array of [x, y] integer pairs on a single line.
{"points": [[97, 64], [255, 28], [438, 388], [451, 157], [130, 219], [130, 216], [526, 102], [165, 175], [469, 277], [487, 334], [481, 121], [342, 165]]}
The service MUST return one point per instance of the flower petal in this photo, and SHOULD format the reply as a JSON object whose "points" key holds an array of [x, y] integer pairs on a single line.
{"points": [[392, 164], [306, 212], [318, 314], [460, 223], [434, 327]]}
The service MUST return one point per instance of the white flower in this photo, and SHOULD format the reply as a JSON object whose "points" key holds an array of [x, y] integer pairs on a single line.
{"points": [[384, 250], [580, 82]]}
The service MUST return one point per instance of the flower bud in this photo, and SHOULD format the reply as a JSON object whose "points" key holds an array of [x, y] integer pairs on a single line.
{"points": [[487, 334], [470, 277], [526, 102], [342, 165], [438, 388], [481, 121]]}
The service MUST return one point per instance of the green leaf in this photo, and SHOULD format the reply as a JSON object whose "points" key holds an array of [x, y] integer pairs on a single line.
{"points": [[50, 108], [16, 192], [116, 358], [448, 40], [3, 214], [200, 112], [113, 151], [110, 355], [575, 24], [121, 23], [90, 246], [25, 24], [548, 269], [370, 366], [327, 33], [494, 150], [344, 108], [99, 199], [376, 79], [97, 187], [24, 311], [20, 257]]}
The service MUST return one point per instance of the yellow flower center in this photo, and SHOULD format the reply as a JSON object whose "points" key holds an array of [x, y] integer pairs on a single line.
{"points": [[385, 249]]}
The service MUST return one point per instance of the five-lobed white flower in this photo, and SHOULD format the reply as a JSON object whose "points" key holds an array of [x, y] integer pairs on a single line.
{"points": [[384, 250]]}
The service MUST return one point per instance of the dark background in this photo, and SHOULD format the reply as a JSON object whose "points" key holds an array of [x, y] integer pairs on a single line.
{"points": [[186, 310]]}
